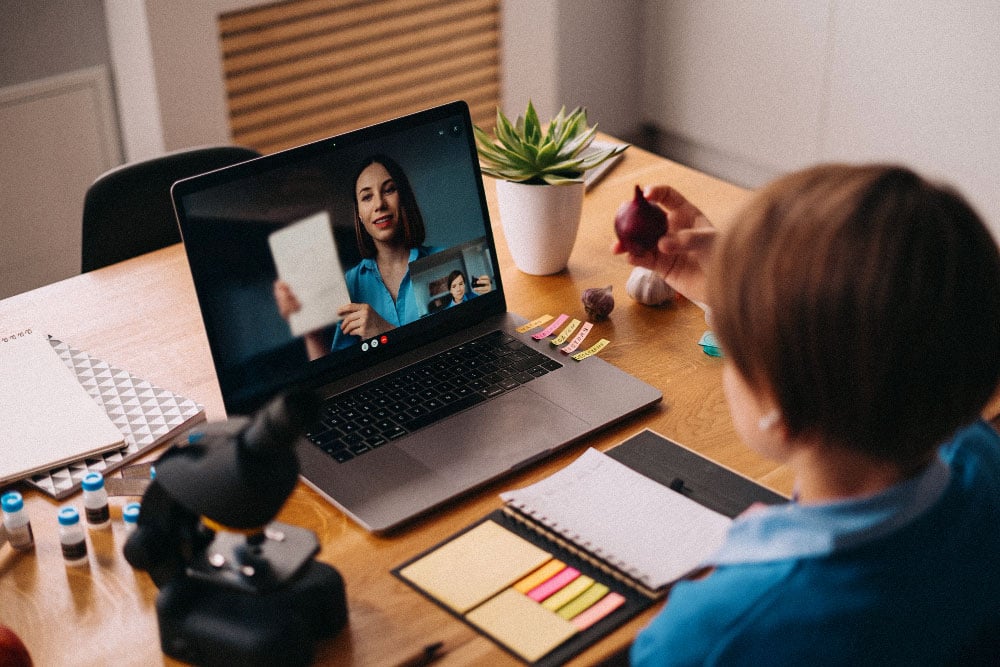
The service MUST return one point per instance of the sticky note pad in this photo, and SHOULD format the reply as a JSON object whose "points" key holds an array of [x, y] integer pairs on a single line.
{"points": [[521, 624], [474, 566]]}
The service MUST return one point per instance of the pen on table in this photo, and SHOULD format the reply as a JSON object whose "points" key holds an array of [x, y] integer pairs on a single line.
{"points": [[426, 656]]}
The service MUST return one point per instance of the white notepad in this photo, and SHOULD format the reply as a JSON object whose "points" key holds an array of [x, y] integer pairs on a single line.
{"points": [[305, 255], [648, 531], [46, 417]]}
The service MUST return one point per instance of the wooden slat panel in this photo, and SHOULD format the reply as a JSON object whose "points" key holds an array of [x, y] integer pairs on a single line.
{"points": [[273, 141], [241, 81], [381, 34], [364, 111], [303, 70], [372, 17], [358, 87], [278, 12]]}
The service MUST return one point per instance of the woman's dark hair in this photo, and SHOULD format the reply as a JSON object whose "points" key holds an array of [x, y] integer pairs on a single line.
{"points": [[413, 222], [866, 301]]}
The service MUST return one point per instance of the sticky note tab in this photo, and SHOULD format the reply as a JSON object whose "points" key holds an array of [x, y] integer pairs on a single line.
{"points": [[567, 593], [547, 588], [592, 350], [474, 566], [575, 343], [547, 331], [583, 601], [597, 611], [521, 625], [566, 333], [533, 324], [538, 576]]}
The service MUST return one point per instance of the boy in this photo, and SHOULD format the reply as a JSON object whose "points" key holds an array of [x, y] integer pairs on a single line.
{"points": [[858, 309]]}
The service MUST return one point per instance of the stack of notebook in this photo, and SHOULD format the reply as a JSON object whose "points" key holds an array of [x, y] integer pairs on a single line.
{"points": [[141, 416]]}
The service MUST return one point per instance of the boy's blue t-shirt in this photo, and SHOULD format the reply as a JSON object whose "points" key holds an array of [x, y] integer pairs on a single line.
{"points": [[908, 576]]}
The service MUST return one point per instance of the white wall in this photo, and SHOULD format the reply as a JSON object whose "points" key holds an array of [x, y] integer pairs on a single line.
{"points": [[749, 90], [59, 133], [168, 72], [574, 53]]}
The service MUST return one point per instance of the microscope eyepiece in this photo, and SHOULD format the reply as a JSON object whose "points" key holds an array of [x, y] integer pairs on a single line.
{"points": [[277, 425]]}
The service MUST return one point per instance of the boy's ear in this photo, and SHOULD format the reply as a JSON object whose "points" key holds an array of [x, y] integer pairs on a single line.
{"points": [[770, 420]]}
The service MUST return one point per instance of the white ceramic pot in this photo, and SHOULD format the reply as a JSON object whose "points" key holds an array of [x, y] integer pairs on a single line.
{"points": [[540, 223]]}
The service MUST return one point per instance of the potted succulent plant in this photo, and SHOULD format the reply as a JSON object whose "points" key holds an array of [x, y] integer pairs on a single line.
{"points": [[540, 182]]}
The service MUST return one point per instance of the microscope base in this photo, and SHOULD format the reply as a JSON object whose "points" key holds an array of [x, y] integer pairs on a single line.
{"points": [[218, 625]]}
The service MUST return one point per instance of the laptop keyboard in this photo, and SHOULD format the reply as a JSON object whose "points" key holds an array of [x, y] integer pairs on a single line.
{"points": [[415, 397]]}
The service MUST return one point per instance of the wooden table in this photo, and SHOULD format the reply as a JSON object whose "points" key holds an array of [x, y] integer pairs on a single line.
{"points": [[142, 315]]}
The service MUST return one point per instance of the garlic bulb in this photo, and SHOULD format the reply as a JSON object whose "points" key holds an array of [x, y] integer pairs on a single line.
{"points": [[648, 287], [598, 302]]}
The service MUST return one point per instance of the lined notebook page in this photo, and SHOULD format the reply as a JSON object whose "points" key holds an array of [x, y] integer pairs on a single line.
{"points": [[46, 418], [639, 526]]}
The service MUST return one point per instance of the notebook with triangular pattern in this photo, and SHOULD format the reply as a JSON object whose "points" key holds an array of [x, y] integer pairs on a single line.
{"points": [[146, 414]]}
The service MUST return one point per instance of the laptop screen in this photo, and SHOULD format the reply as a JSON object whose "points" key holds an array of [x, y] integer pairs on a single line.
{"points": [[315, 262]]}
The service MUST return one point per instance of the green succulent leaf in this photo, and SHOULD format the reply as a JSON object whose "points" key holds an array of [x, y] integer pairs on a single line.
{"points": [[527, 151]]}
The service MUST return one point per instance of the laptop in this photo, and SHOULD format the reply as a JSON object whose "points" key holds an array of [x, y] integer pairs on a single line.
{"points": [[496, 399]]}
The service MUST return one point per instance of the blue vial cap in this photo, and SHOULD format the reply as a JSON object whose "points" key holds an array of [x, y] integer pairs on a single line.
{"points": [[93, 481], [68, 516], [12, 502], [130, 513]]}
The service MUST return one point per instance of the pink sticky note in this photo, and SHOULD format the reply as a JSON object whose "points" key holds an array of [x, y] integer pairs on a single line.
{"points": [[597, 611], [557, 581], [547, 331]]}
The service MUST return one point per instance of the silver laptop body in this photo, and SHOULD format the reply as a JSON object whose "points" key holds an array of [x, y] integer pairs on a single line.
{"points": [[226, 219]]}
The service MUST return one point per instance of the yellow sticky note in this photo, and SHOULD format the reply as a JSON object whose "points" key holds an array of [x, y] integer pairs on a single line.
{"points": [[534, 324], [566, 333], [521, 624], [474, 566], [592, 350], [567, 593], [583, 601]]}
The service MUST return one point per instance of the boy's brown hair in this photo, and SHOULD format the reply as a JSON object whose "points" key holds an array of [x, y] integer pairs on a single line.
{"points": [[866, 301]]}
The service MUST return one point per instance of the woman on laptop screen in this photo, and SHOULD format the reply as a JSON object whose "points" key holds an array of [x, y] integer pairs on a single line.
{"points": [[390, 234]]}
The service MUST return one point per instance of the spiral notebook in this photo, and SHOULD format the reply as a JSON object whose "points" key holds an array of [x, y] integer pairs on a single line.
{"points": [[596, 504], [572, 557]]}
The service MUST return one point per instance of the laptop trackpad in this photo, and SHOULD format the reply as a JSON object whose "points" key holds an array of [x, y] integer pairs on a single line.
{"points": [[497, 435]]}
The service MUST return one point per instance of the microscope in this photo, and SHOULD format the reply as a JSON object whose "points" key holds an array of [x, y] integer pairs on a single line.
{"points": [[236, 588]]}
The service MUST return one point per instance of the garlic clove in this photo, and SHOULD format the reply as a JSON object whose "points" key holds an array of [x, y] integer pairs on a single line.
{"points": [[598, 302], [648, 287]]}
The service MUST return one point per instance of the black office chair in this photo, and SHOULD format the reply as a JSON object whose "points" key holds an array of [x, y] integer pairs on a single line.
{"points": [[127, 211]]}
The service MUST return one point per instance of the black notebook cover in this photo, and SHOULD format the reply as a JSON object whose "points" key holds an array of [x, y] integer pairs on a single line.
{"points": [[687, 472], [663, 461]]}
